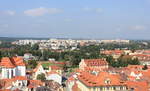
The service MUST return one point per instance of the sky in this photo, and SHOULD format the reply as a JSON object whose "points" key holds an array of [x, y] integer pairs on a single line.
{"points": [[94, 19]]}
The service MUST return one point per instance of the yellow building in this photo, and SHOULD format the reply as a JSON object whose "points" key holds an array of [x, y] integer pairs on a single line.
{"points": [[103, 81]]}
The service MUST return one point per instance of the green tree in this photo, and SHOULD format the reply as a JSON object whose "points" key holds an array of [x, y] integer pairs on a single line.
{"points": [[134, 62], [32, 64], [41, 77], [145, 67]]}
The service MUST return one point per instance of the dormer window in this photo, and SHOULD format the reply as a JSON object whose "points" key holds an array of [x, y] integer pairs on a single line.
{"points": [[107, 81]]}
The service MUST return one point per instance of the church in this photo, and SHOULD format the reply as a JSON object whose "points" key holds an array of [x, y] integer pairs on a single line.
{"points": [[11, 67]]}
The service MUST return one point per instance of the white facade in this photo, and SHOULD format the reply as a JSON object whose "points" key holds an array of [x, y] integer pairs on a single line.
{"points": [[20, 70], [11, 72], [39, 70], [55, 77], [8, 73]]}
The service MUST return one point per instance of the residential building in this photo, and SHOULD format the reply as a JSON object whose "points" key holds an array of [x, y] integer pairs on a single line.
{"points": [[102, 81]]}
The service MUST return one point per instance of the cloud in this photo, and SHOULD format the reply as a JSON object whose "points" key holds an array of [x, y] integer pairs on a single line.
{"points": [[118, 29], [87, 9], [3, 25], [68, 20], [8, 12], [99, 10], [42, 11], [138, 27], [96, 10]]}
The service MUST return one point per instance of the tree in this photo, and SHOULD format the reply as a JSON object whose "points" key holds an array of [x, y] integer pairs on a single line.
{"points": [[65, 67], [41, 77], [145, 67], [32, 64], [35, 47], [134, 62]]}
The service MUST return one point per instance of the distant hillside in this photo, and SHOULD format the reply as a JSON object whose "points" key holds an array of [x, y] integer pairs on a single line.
{"points": [[10, 39]]}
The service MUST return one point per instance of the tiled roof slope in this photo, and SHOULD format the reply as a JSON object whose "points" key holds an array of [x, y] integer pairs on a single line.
{"points": [[95, 62], [100, 79], [11, 62]]}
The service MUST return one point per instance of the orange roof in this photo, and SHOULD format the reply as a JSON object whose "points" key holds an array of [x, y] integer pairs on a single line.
{"points": [[18, 61], [71, 79], [6, 62], [138, 86], [146, 73], [110, 52], [20, 78], [95, 62], [75, 87], [35, 83], [94, 69], [11, 62], [135, 66], [61, 63], [52, 72], [146, 51], [37, 67], [100, 79], [54, 67], [6, 82], [5, 90], [142, 55]]}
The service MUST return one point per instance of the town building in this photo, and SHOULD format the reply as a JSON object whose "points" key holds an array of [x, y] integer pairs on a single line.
{"points": [[102, 81], [93, 64]]}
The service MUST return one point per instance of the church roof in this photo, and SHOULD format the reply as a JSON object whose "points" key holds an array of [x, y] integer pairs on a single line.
{"points": [[11, 62]]}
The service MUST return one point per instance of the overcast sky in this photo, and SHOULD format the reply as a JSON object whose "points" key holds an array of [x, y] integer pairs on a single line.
{"points": [[103, 19]]}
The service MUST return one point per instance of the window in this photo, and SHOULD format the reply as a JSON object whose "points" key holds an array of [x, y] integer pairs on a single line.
{"points": [[107, 81], [121, 88], [12, 73], [101, 88], [7, 74], [19, 84], [107, 88], [0, 70], [114, 88]]}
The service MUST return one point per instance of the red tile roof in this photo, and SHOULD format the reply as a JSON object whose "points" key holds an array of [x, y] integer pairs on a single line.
{"points": [[95, 62], [35, 83], [18, 61], [37, 67], [5, 90], [11, 62], [54, 67], [110, 52], [6, 62], [138, 86], [75, 87], [20, 78], [52, 72], [100, 79]]}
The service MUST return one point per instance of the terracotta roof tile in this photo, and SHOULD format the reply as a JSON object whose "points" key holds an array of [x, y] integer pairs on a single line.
{"points": [[6, 62], [54, 67], [35, 83], [18, 61], [100, 79], [138, 86], [95, 62], [20, 78], [11, 62]]}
